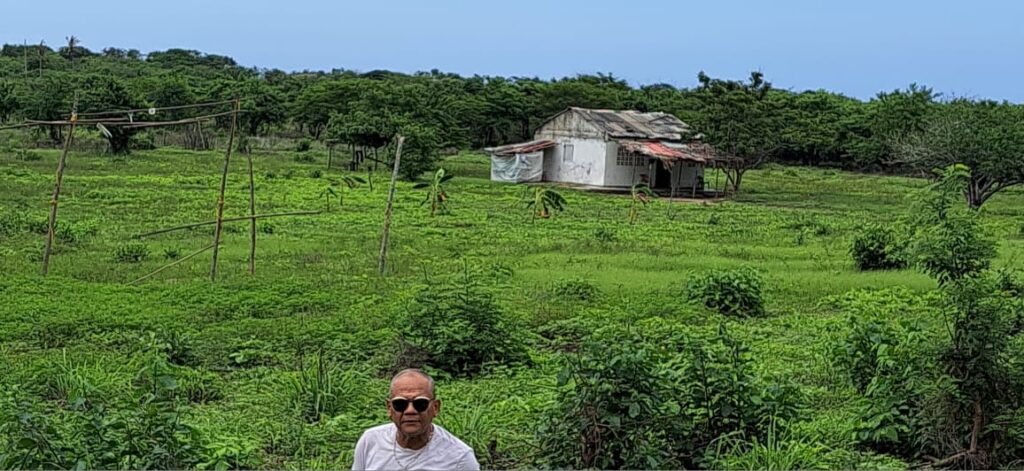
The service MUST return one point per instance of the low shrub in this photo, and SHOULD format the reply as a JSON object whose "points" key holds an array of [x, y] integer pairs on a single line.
{"points": [[458, 328], [304, 145], [730, 292], [131, 252], [657, 396], [316, 173], [576, 289], [879, 247], [605, 235]]}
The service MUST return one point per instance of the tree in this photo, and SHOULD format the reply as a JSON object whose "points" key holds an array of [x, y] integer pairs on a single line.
{"points": [[949, 242], [8, 101], [740, 119], [436, 194], [101, 93], [985, 136]]}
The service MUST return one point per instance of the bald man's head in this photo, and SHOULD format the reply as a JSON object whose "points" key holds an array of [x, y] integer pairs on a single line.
{"points": [[417, 374]]}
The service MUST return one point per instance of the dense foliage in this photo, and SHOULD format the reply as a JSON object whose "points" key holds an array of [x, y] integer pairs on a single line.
{"points": [[436, 111]]}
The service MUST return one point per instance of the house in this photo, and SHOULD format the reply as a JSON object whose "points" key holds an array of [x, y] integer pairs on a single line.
{"points": [[608, 149]]}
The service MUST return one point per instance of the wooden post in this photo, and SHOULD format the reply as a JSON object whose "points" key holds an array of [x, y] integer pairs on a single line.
{"points": [[330, 155], [220, 199], [382, 262], [52, 221], [694, 185], [252, 213]]}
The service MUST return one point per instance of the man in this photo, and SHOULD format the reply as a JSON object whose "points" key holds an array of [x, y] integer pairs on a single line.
{"points": [[412, 441]]}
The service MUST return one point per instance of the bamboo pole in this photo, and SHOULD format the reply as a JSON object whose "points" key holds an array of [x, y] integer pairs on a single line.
{"points": [[252, 214], [382, 261], [220, 199], [169, 265], [234, 219], [52, 221]]}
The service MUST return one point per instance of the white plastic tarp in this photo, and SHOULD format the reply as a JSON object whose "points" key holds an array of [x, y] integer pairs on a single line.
{"points": [[518, 168]]}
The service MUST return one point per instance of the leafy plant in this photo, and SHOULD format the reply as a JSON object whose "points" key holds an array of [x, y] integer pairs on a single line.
{"points": [[640, 194], [544, 201], [730, 292], [576, 289], [321, 390], [131, 252], [950, 243], [879, 247], [459, 328], [436, 194]]}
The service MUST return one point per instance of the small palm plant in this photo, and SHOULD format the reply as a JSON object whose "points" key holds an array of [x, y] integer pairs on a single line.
{"points": [[436, 194], [641, 194], [347, 183], [543, 201]]}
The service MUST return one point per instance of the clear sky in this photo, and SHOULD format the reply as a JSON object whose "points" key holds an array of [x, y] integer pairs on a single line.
{"points": [[855, 47]]}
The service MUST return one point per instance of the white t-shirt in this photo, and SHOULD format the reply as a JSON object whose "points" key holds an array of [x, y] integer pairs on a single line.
{"points": [[378, 450]]}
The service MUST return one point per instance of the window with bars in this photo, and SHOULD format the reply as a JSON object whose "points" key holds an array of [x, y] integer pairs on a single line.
{"points": [[625, 158]]}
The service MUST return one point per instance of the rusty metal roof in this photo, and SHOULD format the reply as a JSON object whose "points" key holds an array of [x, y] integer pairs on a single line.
{"points": [[637, 125], [522, 147]]}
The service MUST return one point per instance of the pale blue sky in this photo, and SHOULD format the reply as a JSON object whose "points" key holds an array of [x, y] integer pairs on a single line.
{"points": [[854, 47]]}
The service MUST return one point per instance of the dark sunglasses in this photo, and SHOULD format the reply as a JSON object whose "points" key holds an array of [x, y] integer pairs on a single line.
{"points": [[400, 404]]}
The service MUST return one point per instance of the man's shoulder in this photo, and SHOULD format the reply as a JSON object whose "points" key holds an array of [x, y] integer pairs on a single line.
{"points": [[378, 432]]}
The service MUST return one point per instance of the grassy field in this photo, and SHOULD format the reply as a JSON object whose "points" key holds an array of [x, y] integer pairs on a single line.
{"points": [[83, 331]]}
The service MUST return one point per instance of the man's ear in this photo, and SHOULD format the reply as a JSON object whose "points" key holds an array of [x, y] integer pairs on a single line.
{"points": [[437, 406], [387, 405]]}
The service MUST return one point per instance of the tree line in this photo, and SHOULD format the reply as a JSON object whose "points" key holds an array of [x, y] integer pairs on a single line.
{"points": [[899, 130]]}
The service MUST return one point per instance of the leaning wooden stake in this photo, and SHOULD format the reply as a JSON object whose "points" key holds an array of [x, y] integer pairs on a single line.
{"points": [[252, 214], [382, 262], [169, 265], [220, 198], [52, 222]]}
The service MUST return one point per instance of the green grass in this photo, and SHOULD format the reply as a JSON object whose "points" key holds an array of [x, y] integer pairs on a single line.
{"points": [[82, 330]]}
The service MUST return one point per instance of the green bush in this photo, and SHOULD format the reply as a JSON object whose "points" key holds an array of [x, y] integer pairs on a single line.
{"points": [[879, 247], [657, 396], [316, 173], [576, 289], [458, 328], [730, 292], [605, 235], [29, 155], [131, 252], [304, 145], [614, 410]]}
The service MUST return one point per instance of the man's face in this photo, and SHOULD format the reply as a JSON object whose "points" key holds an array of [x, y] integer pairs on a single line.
{"points": [[411, 422]]}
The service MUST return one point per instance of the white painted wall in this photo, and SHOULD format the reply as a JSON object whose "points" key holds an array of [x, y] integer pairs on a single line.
{"points": [[621, 175], [586, 167]]}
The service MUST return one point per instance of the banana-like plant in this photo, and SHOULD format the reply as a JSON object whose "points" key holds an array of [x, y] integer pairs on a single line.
{"points": [[347, 183], [543, 201], [436, 194], [641, 194]]}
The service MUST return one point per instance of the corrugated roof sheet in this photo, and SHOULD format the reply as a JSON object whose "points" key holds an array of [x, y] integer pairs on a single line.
{"points": [[637, 125], [522, 147]]}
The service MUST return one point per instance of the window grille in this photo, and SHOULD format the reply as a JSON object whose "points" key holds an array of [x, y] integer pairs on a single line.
{"points": [[625, 158]]}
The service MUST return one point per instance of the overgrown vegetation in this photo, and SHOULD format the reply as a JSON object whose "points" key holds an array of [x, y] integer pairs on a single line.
{"points": [[852, 369]]}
